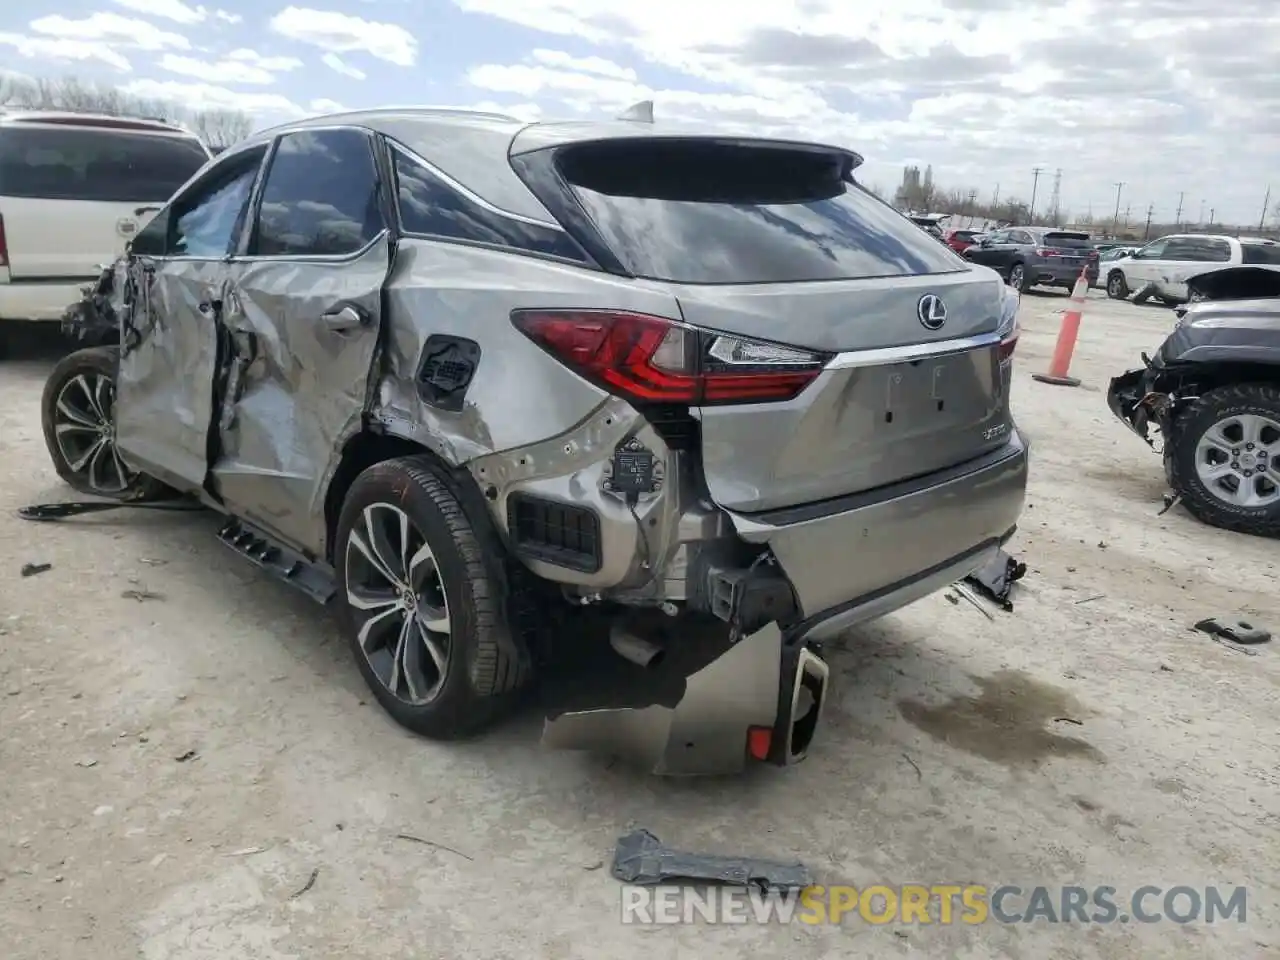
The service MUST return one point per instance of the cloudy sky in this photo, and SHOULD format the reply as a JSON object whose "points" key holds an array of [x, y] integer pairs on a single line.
{"points": [[1169, 96]]}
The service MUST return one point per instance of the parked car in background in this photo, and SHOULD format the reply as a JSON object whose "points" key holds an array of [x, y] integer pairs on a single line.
{"points": [[466, 413], [74, 189], [1161, 269], [1036, 256], [1212, 393], [930, 223], [1106, 256], [960, 240]]}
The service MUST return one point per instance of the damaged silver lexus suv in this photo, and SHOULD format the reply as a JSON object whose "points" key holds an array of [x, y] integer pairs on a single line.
{"points": [[478, 383]]}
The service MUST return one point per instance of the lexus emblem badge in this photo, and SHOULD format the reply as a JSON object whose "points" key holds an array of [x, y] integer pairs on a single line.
{"points": [[931, 311]]}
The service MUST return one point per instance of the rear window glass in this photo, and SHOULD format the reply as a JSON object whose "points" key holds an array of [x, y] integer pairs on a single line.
{"points": [[714, 213], [106, 165], [1070, 241], [1261, 252]]}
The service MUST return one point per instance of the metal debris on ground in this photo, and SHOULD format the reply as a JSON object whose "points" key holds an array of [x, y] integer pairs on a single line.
{"points": [[641, 858], [183, 758], [996, 579], [311, 882], [1234, 629], [431, 843], [965, 592], [31, 569], [44, 512], [141, 595], [1170, 501]]}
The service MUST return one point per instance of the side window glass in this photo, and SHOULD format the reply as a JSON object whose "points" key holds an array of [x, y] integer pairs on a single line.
{"points": [[1182, 250], [1219, 251], [203, 221], [320, 197], [1153, 251], [431, 207], [1022, 236], [1261, 253]]}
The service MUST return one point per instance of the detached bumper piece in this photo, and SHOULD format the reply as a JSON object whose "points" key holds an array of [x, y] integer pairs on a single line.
{"points": [[1133, 403], [642, 858]]}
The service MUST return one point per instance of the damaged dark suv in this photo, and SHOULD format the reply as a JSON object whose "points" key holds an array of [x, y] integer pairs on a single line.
{"points": [[474, 381]]}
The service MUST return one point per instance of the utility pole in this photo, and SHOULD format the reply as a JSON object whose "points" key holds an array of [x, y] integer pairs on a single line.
{"points": [[1177, 217], [1115, 217], [995, 198], [1127, 208], [1266, 204], [1151, 209], [1035, 182], [1055, 201], [1211, 212]]}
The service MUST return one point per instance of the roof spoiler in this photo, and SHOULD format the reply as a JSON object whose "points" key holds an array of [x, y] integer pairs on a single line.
{"points": [[641, 112]]}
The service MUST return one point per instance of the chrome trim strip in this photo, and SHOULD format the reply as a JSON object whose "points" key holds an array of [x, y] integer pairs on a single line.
{"points": [[912, 351]]}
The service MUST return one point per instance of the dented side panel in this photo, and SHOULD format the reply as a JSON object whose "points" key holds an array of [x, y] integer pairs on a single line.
{"points": [[164, 397], [519, 395], [298, 383]]}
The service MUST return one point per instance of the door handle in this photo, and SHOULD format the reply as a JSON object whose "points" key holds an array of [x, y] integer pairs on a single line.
{"points": [[344, 319]]}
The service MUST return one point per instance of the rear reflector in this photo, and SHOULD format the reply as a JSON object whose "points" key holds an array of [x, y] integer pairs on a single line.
{"points": [[653, 360], [1009, 343], [4, 245], [759, 741]]}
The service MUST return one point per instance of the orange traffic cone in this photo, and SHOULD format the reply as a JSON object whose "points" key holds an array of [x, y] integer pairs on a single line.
{"points": [[1067, 334]]}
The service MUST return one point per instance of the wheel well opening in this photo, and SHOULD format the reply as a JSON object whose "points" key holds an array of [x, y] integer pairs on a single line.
{"points": [[361, 452]]}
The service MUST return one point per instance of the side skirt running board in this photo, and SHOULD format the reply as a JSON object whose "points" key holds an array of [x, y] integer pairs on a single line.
{"points": [[278, 560]]}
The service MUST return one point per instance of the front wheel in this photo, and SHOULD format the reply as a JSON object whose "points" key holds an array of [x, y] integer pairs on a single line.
{"points": [[422, 604], [1018, 278], [1117, 289], [77, 412], [1225, 462]]}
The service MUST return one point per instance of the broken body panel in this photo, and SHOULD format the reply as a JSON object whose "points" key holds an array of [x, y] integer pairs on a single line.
{"points": [[896, 471]]}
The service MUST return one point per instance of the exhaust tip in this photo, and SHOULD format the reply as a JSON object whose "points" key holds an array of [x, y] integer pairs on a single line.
{"points": [[808, 698]]}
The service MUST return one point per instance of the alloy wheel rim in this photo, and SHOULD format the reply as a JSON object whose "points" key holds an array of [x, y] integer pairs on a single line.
{"points": [[1113, 286], [84, 428], [397, 597], [1015, 277], [1238, 460]]}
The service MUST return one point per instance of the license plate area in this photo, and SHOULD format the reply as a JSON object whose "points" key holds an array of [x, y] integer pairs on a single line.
{"points": [[923, 396]]}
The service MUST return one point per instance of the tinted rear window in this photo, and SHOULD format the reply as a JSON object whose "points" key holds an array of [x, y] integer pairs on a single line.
{"points": [[108, 165], [1261, 252], [1068, 241], [714, 212]]}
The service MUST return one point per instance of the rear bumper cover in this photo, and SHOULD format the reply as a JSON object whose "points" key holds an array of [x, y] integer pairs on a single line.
{"points": [[848, 561], [1065, 274], [46, 302]]}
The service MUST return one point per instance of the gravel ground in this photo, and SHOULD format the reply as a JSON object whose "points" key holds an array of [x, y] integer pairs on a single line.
{"points": [[174, 770]]}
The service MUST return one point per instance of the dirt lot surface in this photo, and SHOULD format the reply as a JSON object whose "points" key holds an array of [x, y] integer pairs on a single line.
{"points": [[175, 770]]}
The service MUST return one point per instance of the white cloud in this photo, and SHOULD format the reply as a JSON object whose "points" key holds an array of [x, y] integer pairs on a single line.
{"points": [[174, 10], [340, 33], [226, 17], [207, 96], [337, 64], [321, 105], [270, 64], [597, 65], [113, 29], [45, 49], [1179, 96], [224, 71]]}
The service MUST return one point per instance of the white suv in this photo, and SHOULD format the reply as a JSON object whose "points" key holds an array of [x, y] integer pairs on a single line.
{"points": [[1162, 267], [74, 189]]}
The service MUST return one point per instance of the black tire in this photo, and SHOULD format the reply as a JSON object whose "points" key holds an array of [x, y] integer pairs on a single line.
{"points": [[485, 668], [1190, 425], [1117, 288], [1022, 282], [92, 366]]}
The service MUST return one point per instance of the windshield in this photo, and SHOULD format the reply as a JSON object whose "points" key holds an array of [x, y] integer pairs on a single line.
{"points": [[703, 211], [1069, 241]]}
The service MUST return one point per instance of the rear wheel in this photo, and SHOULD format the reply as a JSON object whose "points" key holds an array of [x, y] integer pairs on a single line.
{"points": [[77, 412], [422, 604], [1117, 289], [1226, 458]]}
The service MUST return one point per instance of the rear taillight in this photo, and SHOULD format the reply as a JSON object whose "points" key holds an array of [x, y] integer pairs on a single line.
{"points": [[652, 360], [1009, 343], [4, 245]]}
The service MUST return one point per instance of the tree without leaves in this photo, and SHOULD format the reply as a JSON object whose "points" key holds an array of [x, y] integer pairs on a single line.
{"points": [[218, 128]]}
